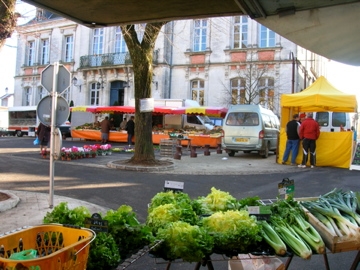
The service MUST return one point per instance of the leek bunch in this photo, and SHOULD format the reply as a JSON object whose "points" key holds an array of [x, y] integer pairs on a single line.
{"points": [[338, 211]]}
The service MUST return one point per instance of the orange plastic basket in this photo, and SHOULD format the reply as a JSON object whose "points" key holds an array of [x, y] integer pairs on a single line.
{"points": [[58, 247]]}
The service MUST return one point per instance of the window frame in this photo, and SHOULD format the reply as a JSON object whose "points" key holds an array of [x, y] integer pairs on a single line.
{"points": [[240, 32], [69, 48], [200, 27], [198, 92], [238, 91], [30, 48], [45, 51], [266, 37], [94, 94]]}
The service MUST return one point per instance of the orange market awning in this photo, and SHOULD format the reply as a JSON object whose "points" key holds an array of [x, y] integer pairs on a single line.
{"points": [[209, 111]]}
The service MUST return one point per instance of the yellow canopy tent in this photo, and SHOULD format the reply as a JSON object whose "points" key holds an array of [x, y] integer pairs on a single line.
{"points": [[333, 148]]}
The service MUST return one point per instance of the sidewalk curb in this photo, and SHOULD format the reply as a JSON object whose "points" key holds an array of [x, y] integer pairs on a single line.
{"points": [[9, 203]]}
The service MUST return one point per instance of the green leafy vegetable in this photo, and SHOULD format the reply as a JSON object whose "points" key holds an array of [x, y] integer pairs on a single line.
{"points": [[234, 231], [182, 240], [104, 253], [63, 215], [127, 231], [217, 200]]}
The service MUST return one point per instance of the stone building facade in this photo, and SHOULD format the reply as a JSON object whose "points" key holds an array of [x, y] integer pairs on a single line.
{"points": [[216, 61]]}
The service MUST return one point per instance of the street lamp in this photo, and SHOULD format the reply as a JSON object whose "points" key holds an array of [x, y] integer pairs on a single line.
{"points": [[75, 83]]}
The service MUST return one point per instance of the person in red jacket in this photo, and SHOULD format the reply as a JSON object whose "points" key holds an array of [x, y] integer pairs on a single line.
{"points": [[309, 132]]}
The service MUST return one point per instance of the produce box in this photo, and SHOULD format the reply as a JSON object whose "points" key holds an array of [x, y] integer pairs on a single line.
{"points": [[333, 242]]}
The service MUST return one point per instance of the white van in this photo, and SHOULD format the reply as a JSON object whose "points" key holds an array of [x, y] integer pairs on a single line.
{"points": [[250, 128], [333, 121]]}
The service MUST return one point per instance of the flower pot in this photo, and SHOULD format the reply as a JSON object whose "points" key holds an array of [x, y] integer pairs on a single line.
{"points": [[93, 155], [87, 155]]}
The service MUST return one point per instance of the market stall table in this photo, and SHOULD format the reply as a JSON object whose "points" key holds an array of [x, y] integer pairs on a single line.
{"points": [[121, 136]]}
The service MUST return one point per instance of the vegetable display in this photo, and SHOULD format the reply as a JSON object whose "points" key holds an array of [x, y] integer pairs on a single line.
{"points": [[338, 211], [178, 227]]}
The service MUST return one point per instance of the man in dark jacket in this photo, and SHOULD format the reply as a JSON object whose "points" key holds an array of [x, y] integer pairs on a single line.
{"points": [[130, 128], [292, 143], [309, 133], [105, 129]]}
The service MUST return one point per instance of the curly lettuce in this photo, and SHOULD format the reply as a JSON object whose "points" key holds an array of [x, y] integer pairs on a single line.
{"points": [[234, 231], [217, 200], [182, 240]]}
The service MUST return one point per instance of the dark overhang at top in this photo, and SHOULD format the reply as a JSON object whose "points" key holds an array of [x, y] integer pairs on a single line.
{"points": [[329, 28]]}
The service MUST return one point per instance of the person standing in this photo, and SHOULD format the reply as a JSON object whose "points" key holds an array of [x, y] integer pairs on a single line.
{"points": [[123, 124], [105, 129], [292, 143], [43, 133], [130, 128], [309, 133]]}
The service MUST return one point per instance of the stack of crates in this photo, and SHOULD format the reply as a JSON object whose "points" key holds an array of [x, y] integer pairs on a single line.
{"points": [[168, 147]]}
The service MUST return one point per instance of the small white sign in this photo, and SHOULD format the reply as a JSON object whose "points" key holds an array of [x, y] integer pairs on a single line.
{"points": [[173, 185], [147, 105]]}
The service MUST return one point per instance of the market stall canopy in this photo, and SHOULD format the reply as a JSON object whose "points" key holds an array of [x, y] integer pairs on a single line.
{"points": [[209, 111], [118, 109], [328, 28], [321, 96]]}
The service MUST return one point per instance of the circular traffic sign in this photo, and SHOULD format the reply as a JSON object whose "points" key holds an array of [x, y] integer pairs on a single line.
{"points": [[44, 109]]}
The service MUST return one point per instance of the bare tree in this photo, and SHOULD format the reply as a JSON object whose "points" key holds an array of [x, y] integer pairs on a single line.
{"points": [[8, 19], [141, 54], [255, 84]]}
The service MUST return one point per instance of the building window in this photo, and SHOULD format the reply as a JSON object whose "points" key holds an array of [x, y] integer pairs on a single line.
{"points": [[98, 41], [120, 45], [45, 51], [30, 53], [240, 32], [200, 34], [69, 45], [197, 91], [266, 93], [266, 38], [42, 92], [94, 94], [27, 98], [238, 91]]}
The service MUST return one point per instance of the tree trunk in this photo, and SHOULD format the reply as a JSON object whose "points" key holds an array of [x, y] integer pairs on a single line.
{"points": [[141, 54], [8, 19]]}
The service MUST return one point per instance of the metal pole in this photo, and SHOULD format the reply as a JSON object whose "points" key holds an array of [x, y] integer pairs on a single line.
{"points": [[52, 138]]}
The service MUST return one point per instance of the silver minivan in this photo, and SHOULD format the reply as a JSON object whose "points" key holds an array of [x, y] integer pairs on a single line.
{"points": [[250, 128]]}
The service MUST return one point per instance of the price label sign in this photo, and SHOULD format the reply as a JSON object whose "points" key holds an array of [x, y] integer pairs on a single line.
{"points": [[96, 223], [262, 212], [174, 186], [286, 187]]}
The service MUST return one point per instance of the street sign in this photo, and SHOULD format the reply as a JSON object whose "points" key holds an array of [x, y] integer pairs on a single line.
{"points": [[47, 78], [44, 111]]}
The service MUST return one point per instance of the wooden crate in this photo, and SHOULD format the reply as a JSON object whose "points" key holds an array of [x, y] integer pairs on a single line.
{"points": [[167, 147], [333, 242]]}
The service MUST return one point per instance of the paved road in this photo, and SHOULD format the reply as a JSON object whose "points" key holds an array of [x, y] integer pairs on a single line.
{"points": [[21, 168]]}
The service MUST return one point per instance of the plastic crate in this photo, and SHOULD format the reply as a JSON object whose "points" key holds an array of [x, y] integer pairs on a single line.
{"points": [[58, 247]]}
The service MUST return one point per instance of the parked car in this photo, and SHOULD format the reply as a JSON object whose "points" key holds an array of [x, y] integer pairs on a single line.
{"points": [[250, 128]]}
